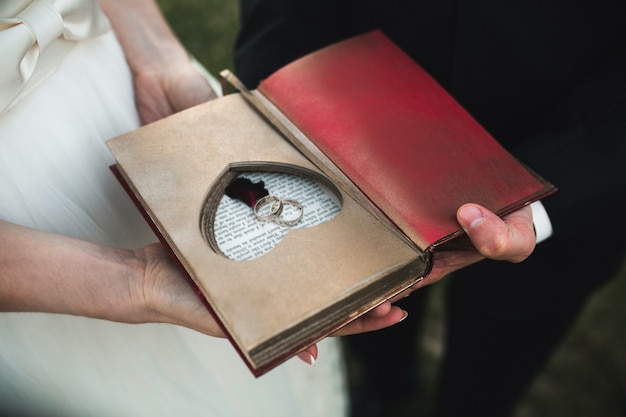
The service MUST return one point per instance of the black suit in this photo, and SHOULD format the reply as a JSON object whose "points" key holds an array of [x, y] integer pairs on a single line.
{"points": [[548, 80]]}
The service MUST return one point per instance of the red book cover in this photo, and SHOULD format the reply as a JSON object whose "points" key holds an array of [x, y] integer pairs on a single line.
{"points": [[406, 143]]}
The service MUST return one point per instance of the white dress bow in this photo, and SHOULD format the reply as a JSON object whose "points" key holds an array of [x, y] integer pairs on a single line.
{"points": [[35, 36]]}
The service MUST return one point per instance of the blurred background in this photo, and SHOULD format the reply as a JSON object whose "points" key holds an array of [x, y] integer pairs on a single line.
{"points": [[207, 28], [587, 375]]}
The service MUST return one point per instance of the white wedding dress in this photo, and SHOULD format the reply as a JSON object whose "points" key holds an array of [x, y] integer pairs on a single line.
{"points": [[54, 176]]}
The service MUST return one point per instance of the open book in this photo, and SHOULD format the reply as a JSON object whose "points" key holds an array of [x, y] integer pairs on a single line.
{"points": [[358, 119]]}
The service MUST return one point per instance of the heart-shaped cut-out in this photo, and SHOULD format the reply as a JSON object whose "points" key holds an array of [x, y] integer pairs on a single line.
{"points": [[296, 198]]}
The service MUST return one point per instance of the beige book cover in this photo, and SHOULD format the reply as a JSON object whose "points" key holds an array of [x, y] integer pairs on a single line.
{"points": [[312, 282]]}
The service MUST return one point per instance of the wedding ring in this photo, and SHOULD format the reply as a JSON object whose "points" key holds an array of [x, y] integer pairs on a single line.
{"points": [[276, 209], [294, 219]]}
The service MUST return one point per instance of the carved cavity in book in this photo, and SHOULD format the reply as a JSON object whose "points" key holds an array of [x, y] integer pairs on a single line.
{"points": [[266, 207], [250, 210]]}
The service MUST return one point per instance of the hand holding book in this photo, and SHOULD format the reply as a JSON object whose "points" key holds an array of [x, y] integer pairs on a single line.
{"points": [[172, 300], [510, 238], [167, 298], [401, 159]]}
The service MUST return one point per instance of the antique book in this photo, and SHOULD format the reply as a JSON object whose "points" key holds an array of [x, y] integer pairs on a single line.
{"points": [[354, 162]]}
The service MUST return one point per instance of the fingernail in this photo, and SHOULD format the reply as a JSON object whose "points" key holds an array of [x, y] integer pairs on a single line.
{"points": [[470, 217], [404, 316], [307, 358]]}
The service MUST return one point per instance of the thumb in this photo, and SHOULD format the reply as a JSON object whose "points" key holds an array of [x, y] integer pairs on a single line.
{"points": [[509, 238]]}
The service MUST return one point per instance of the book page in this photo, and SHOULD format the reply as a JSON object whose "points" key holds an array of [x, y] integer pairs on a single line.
{"points": [[240, 234]]}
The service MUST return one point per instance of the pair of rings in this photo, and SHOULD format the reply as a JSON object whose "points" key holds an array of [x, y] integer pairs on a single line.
{"points": [[272, 209]]}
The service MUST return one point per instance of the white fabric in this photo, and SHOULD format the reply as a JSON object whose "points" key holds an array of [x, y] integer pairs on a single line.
{"points": [[35, 35], [541, 221], [54, 176]]}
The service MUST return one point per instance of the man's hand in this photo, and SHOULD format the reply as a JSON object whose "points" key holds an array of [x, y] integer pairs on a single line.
{"points": [[511, 238]]}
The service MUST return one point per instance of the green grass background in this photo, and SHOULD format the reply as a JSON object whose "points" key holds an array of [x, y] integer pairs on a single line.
{"points": [[207, 28], [587, 375]]}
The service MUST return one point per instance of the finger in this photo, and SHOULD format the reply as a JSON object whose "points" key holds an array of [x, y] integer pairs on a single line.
{"points": [[309, 355], [381, 310], [371, 322], [406, 292], [189, 92], [510, 238]]}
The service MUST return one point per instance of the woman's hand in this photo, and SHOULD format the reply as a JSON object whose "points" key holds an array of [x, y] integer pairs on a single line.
{"points": [[166, 296], [165, 79], [161, 92]]}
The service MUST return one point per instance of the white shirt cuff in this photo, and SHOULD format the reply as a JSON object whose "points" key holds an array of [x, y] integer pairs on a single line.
{"points": [[541, 221]]}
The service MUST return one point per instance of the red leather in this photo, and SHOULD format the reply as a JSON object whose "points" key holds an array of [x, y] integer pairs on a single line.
{"points": [[403, 140]]}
